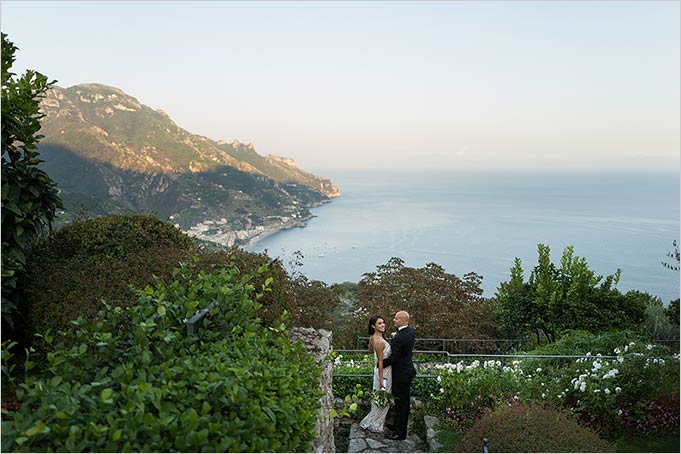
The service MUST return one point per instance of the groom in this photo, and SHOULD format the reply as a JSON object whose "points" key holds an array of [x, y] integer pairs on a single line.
{"points": [[402, 347]]}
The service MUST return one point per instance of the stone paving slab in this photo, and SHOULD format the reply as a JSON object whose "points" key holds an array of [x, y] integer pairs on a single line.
{"points": [[361, 440]]}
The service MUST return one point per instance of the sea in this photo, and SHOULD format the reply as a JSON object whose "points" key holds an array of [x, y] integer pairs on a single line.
{"points": [[480, 221]]}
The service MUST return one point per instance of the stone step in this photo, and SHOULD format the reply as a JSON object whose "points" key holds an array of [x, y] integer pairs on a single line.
{"points": [[361, 440]]}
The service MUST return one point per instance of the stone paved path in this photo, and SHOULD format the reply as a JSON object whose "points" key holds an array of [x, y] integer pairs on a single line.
{"points": [[361, 440]]}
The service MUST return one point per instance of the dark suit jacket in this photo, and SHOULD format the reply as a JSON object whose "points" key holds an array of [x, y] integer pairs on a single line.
{"points": [[402, 347]]}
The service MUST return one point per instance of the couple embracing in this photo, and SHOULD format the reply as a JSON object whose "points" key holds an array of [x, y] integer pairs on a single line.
{"points": [[394, 373]]}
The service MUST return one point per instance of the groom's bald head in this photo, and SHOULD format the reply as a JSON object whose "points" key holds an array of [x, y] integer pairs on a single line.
{"points": [[401, 318]]}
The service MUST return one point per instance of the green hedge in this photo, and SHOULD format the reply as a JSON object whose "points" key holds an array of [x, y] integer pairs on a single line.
{"points": [[135, 381], [102, 258]]}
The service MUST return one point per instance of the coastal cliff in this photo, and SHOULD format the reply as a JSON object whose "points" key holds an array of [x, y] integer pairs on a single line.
{"points": [[109, 153]]}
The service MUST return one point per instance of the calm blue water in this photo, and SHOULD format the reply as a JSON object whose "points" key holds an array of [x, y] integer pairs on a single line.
{"points": [[480, 221]]}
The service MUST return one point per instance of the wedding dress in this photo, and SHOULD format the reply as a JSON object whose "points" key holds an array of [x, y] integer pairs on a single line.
{"points": [[375, 420]]}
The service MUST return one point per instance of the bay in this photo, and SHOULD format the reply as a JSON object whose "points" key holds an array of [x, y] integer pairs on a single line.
{"points": [[479, 221]]}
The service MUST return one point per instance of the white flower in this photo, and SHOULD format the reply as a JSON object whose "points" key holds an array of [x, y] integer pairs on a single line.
{"points": [[442, 390], [617, 351], [439, 379], [597, 391], [611, 373], [543, 395], [582, 387], [538, 369], [606, 391], [618, 389], [649, 347], [619, 412], [597, 365]]}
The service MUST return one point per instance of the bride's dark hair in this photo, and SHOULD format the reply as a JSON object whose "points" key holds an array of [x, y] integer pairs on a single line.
{"points": [[372, 322]]}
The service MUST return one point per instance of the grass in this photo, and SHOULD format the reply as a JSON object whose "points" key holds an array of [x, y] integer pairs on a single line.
{"points": [[659, 443], [449, 438]]}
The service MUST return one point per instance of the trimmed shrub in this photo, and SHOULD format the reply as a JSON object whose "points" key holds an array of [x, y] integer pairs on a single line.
{"points": [[531, 428], [134, 380], [79, 265], [308, 303], [279, 297]]}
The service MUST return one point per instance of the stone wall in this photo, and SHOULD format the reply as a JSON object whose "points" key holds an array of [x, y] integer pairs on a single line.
{"points": [[318, 342]]}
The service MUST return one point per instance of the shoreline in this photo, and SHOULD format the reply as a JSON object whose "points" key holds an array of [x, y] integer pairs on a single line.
{"points": [[250, 237], [300, 223]]}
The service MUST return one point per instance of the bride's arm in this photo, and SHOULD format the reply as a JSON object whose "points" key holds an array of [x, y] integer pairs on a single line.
{"points": [[379, 356]]}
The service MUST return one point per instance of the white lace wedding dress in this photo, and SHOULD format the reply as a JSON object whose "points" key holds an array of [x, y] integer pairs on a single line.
{"points": [[375, 420]]}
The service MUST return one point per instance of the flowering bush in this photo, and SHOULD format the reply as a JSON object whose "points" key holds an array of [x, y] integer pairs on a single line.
{"points": [[626, 385], [636, 384], [467, 392]]}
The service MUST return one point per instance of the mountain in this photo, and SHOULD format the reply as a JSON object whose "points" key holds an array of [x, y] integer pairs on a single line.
{"points": [[110, 153]]}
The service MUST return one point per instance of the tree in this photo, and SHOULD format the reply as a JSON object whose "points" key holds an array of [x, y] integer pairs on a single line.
{"points": [[441, 305], [558, 299], [29, 197], [674, 255]]}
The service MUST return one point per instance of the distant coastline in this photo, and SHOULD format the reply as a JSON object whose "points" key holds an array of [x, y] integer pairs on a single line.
{"points": [[213, 230]]}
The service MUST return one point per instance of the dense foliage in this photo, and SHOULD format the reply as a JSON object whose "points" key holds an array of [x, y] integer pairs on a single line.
{"points": [[635, 384], [571, 296], [77, 266], [531, 428], [29, 196], [441, 305], [657, 323], [308, 303], [106, 257], [135, 380]]}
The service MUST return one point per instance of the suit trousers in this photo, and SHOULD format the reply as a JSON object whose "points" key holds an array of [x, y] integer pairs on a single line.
{"points": [[402, 393]]}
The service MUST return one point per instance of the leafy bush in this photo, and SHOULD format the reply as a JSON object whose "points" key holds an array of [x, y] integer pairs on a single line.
{"points": [[76, 267], [531, 428], [274, 302], [308, 303], [672, 312], [29, 196], [134, 380], [556, 299], [656, 324]]}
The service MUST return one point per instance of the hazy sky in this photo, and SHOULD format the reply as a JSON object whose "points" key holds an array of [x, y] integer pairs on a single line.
{"points": [[378, 84]]}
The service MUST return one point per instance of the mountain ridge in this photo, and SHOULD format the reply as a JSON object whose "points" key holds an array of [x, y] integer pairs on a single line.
{"points": [[105, 147]]}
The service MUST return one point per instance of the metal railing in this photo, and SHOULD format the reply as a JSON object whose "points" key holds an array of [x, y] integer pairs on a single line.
{"points": [[463, 345], [450, 357]]}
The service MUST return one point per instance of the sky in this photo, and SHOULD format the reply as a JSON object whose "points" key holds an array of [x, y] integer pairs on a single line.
{"points": [[349, 85]]}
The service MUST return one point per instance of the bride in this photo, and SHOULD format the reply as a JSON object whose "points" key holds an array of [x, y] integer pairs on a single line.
{"points": [[375, 420]]}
